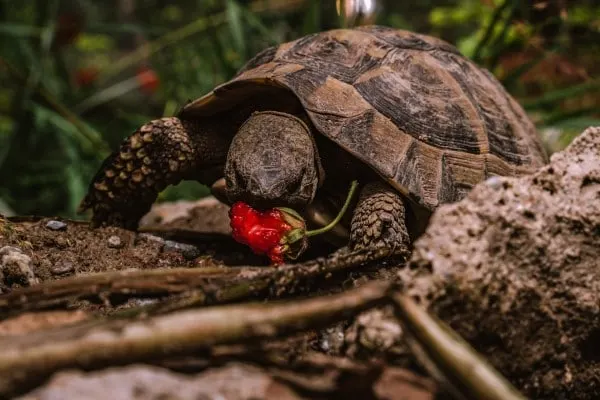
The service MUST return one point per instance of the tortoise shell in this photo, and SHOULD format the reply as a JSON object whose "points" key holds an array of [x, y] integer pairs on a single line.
{"points": [[424, 117]]}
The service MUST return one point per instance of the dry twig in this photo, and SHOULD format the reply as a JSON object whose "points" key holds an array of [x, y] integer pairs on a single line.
{"points": [[29, 359], [201, 285], [448, 358]]}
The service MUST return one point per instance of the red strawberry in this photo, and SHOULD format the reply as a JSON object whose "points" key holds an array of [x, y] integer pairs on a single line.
{"points": [[272, 232], [278, 232]]}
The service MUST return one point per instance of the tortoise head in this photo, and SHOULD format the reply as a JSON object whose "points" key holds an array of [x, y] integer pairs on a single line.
{"points": [[272, 161]]}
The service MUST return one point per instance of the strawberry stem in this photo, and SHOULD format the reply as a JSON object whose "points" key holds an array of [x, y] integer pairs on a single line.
{"points": [[340, 214], [294, 235]]}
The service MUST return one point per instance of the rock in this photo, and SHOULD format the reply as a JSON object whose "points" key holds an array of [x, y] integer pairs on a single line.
{"points": [[495, 182], [378, 329], [373, 332], [331, 339], [513, 268], [187, 250], [234, 382], [151, 238], [331, 378], [115, 242], [16, 267], [56, 225], [400, 384], [207, 215], [62, 268]]}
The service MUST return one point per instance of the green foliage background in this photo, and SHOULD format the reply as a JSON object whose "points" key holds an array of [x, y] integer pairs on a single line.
{"points": [[57, 123]]}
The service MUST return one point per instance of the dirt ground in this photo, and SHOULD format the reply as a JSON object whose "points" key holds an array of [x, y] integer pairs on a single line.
{"points": [[60, 248], [180, 234]]}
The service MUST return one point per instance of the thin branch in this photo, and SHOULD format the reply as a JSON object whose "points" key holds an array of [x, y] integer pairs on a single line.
{"points": [[29, 359], [201, 285], [144, 283], [448, 358]]}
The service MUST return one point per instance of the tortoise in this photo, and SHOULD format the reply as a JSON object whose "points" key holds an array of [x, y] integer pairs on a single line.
{"points": [[405, 114]]}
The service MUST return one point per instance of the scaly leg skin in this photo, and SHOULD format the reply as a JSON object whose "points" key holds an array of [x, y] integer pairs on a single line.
{"points": [[160, 153], [379, 220]]}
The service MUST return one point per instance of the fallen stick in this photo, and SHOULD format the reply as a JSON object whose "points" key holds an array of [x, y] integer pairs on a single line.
{"points": [[202, 285], [29, 359], [146, 283], [448, 358]]}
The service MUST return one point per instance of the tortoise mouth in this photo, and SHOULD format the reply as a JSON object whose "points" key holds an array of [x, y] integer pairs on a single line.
{"points": [[264, 202], [263, 194]]}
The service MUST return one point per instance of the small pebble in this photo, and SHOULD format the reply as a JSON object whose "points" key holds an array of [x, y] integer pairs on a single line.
{"points": [[56, 225], [61, 242], [115, 242], [187, 250], [378, 330], [206, 261], [9, 249], [331, 339], [151, 238], [62, 268], [494, 182]]}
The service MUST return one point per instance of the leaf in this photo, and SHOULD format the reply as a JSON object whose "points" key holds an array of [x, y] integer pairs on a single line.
{"points": [[66, 137], [560, 117], [255, 22], [18, 30], [47, 35], [312, 18], [577, 124], [234, 21], [170, 39], [105, 95], [489, 32], [554, 97]]}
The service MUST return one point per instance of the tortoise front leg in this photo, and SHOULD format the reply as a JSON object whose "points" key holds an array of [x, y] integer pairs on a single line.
{"points": [[160, 153], [379, 220]]}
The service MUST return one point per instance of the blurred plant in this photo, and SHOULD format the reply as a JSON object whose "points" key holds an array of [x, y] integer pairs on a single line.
{"points": [[544, 52], [79, 75]]}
